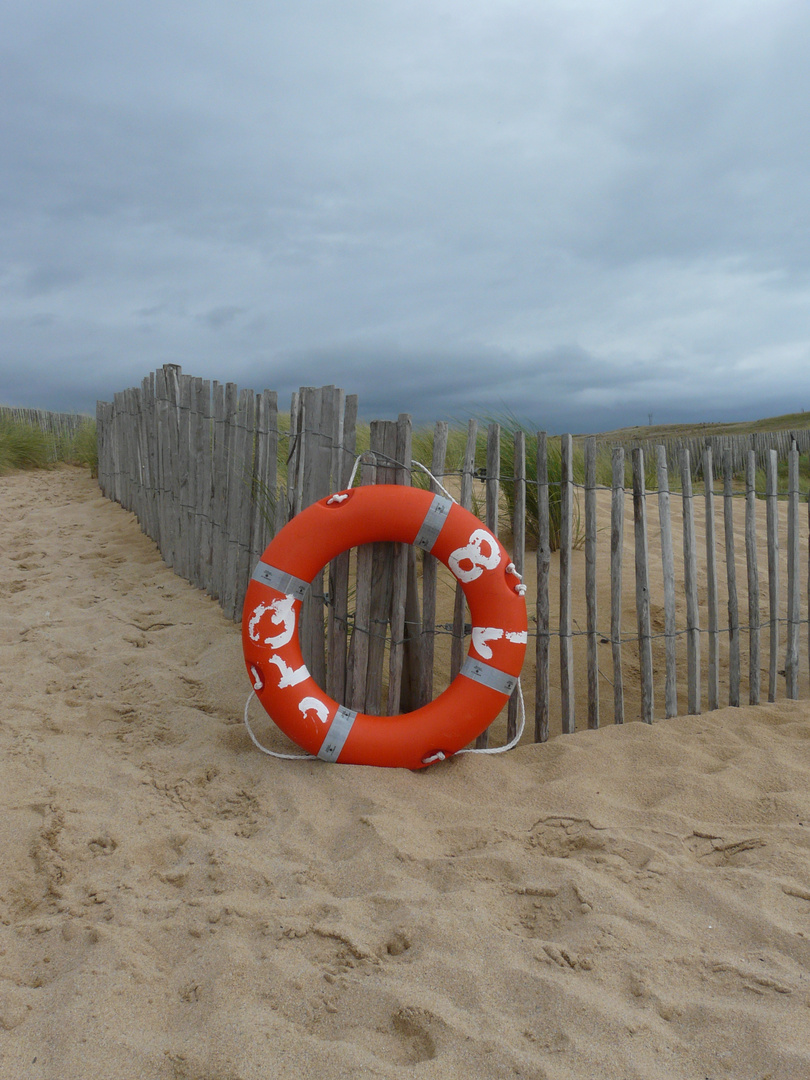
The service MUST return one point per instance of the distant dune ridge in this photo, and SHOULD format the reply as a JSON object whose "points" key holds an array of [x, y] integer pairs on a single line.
{"points": [[629, 904]]}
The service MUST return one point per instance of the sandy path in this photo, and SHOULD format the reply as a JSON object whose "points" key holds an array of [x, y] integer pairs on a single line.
{"points": [[628, 904]]}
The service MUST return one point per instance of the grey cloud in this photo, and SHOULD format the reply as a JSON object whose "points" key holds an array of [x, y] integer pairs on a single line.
{"points": [[221, 316], [580, 213]]}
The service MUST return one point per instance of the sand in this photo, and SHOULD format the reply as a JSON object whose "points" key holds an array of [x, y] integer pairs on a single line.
{"points": [[630, 903]]}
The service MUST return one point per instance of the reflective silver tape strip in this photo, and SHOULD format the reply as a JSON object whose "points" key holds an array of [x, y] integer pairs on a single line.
{"points": [[489, 676], [434, 522], [280, 581], [337, 734]]}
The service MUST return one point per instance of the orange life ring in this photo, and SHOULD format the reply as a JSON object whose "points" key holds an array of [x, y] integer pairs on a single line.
{"points": [[313, 538]]}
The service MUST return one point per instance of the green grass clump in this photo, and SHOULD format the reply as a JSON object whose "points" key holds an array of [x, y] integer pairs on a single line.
{"points": [[783, 479], [23, 446], [604, 471], [81, 448], [510, 425]]}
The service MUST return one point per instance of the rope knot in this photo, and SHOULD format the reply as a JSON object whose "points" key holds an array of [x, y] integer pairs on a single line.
{"points": [[520, 588], [438, 756]]}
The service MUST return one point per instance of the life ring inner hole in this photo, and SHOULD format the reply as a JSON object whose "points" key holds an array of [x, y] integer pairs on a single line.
{"points": [[368, 615]]}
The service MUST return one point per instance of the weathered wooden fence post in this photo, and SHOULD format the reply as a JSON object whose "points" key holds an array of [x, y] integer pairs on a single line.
{"points": [[690, 586], [460, 603], [518, 551], [668, 571], [753, 577], [402, 555], [793, 612], [492, 511], [566, 544], [642, 587], [731, 578], [616, 553], [590, 583], [772, 526], [713, 680], [337, 673], [541, 709], [357, 676], [430, 566]]}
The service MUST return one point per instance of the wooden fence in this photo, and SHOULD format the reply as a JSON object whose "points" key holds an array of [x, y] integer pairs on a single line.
{"points": [[58, 426], [736, 448], [625, 620]]}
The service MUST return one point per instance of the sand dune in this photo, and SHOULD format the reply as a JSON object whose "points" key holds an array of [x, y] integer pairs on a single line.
{"points": [[631, 903]]}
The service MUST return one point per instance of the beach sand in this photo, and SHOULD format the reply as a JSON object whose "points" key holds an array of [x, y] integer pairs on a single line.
{"points": [[631, 903]]}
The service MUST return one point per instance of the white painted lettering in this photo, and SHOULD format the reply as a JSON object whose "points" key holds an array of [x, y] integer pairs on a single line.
{"points": [[289, 676], [473, 555], [283, 614], [320, 708]]}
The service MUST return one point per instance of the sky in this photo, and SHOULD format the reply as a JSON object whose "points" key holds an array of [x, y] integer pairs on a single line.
{"points": [[588, 213]]}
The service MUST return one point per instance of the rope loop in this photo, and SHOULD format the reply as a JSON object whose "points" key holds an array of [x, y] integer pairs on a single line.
{"points": [[518, 736], [264, 750], [430, 760]]}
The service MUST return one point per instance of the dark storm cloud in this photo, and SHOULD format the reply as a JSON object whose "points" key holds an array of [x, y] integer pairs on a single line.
{"points": [[583, 213]]}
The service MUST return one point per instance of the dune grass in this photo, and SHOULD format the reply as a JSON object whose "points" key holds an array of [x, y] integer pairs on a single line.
{"points": [[81, 448], [23, 446], [26, 446]]}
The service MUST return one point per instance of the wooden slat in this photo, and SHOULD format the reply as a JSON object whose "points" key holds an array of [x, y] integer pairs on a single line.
{"points": [[493, 481], [518, 552], [668, 572], [203, 489], [430, 566], [235, 445], [590, 583], [793, 611], [312, 482], [772, 529], [338, 617], [690, 588], [753, 578], [149, 421], [460, 604], [413, 661], [190, 399], [566, 543], [185, 488], [357, 675], [542, 678], [384, 442], [219, 489], [294, 479], [174, 479], [642, 586], [616, 553], [245, 450], [713, 679], [167, 519], [162, 462], [491, 511], [731, 579], [400, 554], [265, 474]]}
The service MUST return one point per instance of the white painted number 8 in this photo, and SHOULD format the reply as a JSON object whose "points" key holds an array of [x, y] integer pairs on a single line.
{"points": [[472, 554]]}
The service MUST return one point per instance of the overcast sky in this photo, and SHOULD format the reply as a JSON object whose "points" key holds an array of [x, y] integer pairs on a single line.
{"points": [[584, 211]]}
